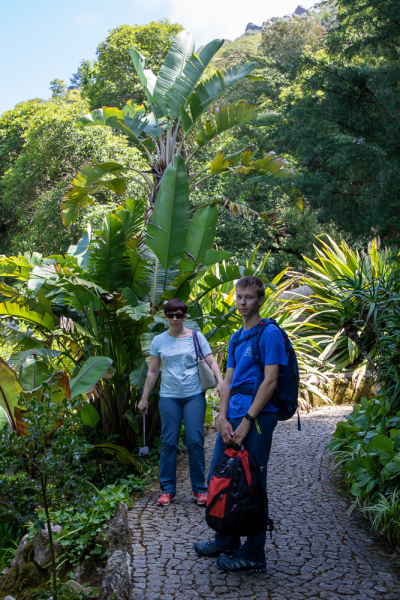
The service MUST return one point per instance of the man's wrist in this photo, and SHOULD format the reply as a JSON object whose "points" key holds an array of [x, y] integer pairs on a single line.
{"points": [[248, 417]]}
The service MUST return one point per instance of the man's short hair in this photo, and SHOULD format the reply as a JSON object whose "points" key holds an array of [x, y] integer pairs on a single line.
{"points": [[174, 305], [253, 282]]}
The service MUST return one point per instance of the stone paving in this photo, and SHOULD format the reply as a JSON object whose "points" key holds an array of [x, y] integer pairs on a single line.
{"points": [[317, 551]]}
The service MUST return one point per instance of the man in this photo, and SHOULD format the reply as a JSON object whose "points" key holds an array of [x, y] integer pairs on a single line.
{"points": [[247, 422]]}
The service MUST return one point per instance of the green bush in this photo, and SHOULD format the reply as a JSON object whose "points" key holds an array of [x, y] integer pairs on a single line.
{"points": [[366, 446]]}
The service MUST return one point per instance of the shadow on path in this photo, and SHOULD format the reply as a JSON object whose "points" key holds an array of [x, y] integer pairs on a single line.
{"points": [[317, 550]]}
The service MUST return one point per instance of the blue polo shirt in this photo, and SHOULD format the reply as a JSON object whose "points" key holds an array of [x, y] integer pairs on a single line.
{"points": [[272, 352]]}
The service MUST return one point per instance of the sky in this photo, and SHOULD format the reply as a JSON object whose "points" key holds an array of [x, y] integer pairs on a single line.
{"points": [[41, 40]]}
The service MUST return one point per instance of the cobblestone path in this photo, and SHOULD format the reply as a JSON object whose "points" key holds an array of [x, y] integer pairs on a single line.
{"points": [[317, 550]]}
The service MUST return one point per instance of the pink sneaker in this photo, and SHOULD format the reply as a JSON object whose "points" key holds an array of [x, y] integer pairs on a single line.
{"points": [[165, 500], [200, 498]]}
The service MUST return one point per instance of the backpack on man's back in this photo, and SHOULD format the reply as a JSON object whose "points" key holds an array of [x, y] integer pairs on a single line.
{"points": [[286, 399]]}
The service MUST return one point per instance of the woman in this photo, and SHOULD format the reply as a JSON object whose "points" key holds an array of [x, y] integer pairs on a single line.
{"points": [[181, 396]]}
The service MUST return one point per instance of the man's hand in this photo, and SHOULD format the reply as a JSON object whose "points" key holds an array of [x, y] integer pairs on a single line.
{"points": [[226, 431], [143, 405], [241, 432]]}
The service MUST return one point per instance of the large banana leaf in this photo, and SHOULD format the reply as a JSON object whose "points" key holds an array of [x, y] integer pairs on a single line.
{"points": [[3, 419], [179, 53], [159, 281], [200, 237], [33, 373], [93, 369], [109, 264], [245, 163], [184, 85], [139, 272], [19, 266], [137, 377], [223, 118], [166, 231], [226, 273], [87, 182], [13, 336], [10, 390], [135, 312], [129, 120], [181, 285], [146, 76], [27, 314], [210, 90], [16, 359], [81, 249]]}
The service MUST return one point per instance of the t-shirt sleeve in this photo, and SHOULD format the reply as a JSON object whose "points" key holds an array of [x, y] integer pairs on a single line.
{"points": [[154, 347], [204, 345], [273, 348], [230, 362]]}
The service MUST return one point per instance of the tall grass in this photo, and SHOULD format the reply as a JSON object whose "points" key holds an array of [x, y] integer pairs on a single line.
{"points": [[10, 537]]}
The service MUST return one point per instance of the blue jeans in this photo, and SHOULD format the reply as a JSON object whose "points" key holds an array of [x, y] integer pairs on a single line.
{"points": [[192, 410], [260, 446]]}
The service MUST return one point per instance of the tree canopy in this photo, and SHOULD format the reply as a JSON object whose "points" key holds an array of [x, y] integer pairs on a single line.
{"points": [[111, 80]]}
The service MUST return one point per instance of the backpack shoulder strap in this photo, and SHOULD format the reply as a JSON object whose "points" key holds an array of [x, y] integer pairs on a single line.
{"points": [[255, 345], [235, 342]]}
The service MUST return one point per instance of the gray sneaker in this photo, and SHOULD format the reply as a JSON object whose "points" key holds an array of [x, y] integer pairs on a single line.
{"points": [[236, 563], [211, 549]]}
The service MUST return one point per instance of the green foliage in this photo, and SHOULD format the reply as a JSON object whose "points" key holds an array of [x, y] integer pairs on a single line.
{"points": [[58, 88], [339, 119], [352, 289], [42, 149], [83, 524], [367, 445], [112, 80], [10, 537], [367, 448]]}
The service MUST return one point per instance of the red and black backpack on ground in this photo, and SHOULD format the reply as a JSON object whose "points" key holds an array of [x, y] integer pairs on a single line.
{"points": [[237, 502]]}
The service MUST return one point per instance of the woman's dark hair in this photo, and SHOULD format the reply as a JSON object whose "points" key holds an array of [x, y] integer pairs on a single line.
{"points": [[175, 304]]}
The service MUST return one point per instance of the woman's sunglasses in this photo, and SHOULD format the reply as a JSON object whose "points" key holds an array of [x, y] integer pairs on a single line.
{"points": [[179, 315]]}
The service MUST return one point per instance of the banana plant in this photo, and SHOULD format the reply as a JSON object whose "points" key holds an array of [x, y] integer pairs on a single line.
{"points": [[34, 380], [181, 107]]}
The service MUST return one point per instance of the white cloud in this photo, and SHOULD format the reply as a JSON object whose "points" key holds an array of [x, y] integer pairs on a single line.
{"points": [[209, 19]]}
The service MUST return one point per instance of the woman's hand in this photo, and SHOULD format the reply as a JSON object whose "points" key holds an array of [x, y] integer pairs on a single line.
{"points": [[226, 431], [219, 387], [143, 405]]}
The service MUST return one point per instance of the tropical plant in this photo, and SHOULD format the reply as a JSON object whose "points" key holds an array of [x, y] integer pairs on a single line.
{"points": [[36, 381], [180, 100], [352, 289], [104, 297], [61, 313]]}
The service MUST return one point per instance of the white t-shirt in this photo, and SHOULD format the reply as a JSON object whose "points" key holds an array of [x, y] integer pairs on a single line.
{"points": [[179, 370]]}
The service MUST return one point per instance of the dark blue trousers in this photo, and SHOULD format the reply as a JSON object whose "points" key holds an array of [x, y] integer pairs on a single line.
{"points": [[260, 446]]}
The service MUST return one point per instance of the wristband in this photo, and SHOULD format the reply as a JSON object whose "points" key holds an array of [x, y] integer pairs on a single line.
{"points": [[249, 418]]}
